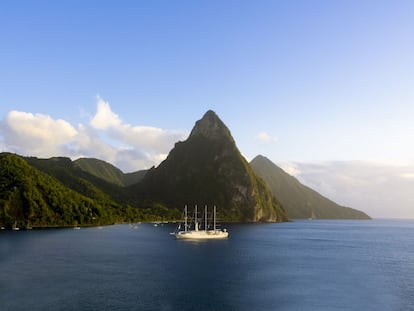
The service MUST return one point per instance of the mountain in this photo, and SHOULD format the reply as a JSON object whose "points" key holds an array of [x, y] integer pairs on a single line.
{"points": [[56, 192], [108, 172], [73, 177], [208, 169], [299, 200], [101, 169], [29, 196], [134, 177]]}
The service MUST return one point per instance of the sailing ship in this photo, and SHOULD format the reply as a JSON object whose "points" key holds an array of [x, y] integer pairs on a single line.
{"points": [[196, 230]]}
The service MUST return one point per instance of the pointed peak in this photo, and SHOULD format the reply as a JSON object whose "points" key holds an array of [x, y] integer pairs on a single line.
{"points": [[210, 126], [259, 158], [209, 118], [210, 114]]}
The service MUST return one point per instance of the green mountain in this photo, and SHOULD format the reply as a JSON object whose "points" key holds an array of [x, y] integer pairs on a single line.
{"points": [[56, 192], [208, 169], [108, 172], [128, 208], [101, 169], [29, 196], [299, 200], [73, 177]]}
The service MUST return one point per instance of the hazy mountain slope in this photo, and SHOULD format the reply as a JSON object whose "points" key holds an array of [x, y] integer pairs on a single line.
{"points": [[208, 168], [299, 200]]}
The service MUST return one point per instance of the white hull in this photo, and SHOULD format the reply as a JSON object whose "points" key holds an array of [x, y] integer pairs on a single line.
{"points": [[202, 235], [196, 233]]}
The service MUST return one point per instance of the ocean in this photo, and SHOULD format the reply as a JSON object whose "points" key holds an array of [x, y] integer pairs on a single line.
{"points": [[300, 265]]}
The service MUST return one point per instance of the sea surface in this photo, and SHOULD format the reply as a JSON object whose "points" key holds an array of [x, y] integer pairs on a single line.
{"points": [[300, 265]]}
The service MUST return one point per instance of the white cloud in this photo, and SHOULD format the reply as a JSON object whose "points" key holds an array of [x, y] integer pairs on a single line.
{"points": [[36, 134], [90, 145], [381, 190], [150, 138], [107, 137], [104, 117], [265, 138]]}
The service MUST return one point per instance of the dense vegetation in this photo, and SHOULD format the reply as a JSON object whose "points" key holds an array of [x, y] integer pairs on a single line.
{"points": [[36, 198], [108, 172]]}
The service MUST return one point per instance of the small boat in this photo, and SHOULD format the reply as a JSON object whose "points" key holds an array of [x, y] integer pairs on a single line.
{"points": [[312, 216], [193, 230], [15, 228]]}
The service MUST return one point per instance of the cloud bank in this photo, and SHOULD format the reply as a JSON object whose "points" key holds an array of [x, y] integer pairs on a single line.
{"points": [[382, 190], [105, 137]]}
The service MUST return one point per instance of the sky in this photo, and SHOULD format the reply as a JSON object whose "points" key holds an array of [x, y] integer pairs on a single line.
{"points": [[325, 89]]}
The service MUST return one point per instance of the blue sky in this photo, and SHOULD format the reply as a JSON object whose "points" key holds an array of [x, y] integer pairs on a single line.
{"points": [[301, 82]]}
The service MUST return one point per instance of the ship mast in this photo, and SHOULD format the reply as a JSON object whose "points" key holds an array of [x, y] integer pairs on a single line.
{"points": [[205, 218], [195, 219], [185, 218], [214, 218]]}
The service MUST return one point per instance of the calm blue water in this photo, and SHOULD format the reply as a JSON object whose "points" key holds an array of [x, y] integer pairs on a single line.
{"points": [[303, 265]]}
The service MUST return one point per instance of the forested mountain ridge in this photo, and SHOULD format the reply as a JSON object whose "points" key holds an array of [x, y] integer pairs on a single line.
{"points": [[56, 193], [108, 172], [72, 176], [31, 197], [101, 169]]}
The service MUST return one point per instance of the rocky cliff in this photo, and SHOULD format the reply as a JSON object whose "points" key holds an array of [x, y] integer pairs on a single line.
{"points": [[209, 169]]}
